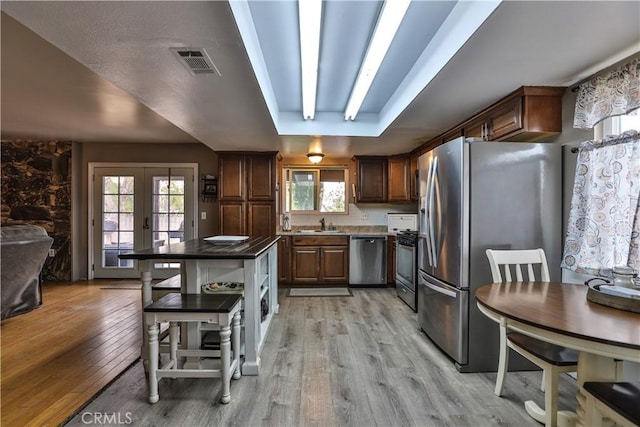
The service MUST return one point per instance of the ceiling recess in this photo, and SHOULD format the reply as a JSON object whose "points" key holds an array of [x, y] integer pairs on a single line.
{"points": [[196, 60]]}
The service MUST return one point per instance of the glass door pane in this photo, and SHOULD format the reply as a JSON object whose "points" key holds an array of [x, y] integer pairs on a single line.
{"points": [[137, 208], [117, 219], [117, 203], [168, 205], [170, 208]]}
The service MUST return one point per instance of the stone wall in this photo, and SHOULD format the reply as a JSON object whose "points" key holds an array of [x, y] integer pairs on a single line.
{"points": [[36, 189]]}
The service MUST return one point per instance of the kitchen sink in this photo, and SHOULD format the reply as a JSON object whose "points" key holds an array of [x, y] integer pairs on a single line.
{"points": [[319, 231]]}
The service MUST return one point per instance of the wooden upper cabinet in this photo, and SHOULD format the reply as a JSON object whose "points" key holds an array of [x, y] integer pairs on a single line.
{"points": [[506, 119], [530, 113], [399, 179], [260, 177], [371, 179], [247, 193], [413, 178], [477, 128], [231, 171]]}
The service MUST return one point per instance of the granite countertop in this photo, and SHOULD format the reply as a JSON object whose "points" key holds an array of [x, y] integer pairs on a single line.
{"points": [[253, 247], [340, 231]]}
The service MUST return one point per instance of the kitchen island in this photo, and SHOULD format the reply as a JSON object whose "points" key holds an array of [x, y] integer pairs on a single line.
{"points": [[253, 262]]}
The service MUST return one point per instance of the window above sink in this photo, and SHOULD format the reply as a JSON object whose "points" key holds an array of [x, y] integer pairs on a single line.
{"points": [[316, 189]]}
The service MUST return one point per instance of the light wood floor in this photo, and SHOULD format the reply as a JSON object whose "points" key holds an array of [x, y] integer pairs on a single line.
{"points": [[335, 361], [57, 357]]}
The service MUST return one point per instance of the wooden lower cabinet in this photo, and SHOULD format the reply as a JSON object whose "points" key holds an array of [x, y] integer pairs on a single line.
{"points": [[306, 264], [284, 259], [319, 260], [334, 264], [391, 260]]}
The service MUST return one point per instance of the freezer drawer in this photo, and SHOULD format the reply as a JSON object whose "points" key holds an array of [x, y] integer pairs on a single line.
{"points": [[443, 316]]}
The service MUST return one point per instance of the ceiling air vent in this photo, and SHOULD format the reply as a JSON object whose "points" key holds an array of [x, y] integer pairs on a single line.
{"points": [[196, 60]]}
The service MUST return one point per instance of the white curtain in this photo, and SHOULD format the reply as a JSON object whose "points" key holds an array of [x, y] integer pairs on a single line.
{"points": [[604, 220], [611, 94]]}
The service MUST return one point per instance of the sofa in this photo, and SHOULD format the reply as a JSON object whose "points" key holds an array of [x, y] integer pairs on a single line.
{"points": [[23, 251]]}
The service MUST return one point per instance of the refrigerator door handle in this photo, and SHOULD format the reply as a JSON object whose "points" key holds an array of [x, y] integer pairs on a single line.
{"points": [[432, 213], [441, 290], [427, 215], [437, 228]]}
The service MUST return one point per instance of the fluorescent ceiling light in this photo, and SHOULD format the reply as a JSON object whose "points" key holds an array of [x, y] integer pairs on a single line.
{"points": [[393, 12], [310, 17]]}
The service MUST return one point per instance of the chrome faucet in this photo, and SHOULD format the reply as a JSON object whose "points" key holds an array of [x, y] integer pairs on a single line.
{"points": [[322, 226]]}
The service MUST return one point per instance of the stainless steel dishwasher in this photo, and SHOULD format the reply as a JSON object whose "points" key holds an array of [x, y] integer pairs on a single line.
{"points": [[367, 260]]}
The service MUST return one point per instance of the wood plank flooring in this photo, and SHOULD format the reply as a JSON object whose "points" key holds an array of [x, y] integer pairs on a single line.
{"points": [[57, 357], [339, 361]]}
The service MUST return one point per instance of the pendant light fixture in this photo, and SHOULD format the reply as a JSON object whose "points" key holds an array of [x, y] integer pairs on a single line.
{"points": [[315, 154], [315, 158]]}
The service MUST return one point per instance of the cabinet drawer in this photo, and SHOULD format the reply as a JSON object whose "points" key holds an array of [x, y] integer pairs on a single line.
{"points": [[319, 240]]}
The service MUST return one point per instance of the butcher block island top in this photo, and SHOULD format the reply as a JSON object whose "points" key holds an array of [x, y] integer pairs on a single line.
{"points": [[252, 261], [250, 248]]}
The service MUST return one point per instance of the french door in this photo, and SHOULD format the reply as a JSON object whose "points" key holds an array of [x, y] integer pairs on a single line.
{"points": [[137, 208]]}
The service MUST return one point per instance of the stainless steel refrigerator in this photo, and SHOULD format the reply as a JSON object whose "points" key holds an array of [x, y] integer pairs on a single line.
{"points": [[475, 196]]}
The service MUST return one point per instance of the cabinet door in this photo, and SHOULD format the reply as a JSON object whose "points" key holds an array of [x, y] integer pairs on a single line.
{"points": [[391, 260], [232, 218], [399, 190], [284, 259], [372, 180], [334, 264], [305, 261], [506, 119], [477, 129], [231, 171], [413, 178], [260, 177], [261, 219]]}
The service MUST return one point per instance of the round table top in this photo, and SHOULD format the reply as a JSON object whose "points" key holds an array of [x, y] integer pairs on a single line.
{"points": [[562, 308]]}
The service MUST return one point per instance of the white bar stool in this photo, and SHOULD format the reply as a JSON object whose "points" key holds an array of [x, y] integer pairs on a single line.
{"points": [[223, 310]]}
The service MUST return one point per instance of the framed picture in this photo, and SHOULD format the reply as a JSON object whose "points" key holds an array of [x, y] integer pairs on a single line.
{"points": [[210, 189]]}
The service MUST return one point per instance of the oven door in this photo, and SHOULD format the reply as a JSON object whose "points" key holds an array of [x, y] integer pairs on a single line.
{"points": [[406, 265]]}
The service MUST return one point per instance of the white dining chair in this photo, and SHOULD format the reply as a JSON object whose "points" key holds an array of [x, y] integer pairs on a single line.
{"points": [[553, 359]]}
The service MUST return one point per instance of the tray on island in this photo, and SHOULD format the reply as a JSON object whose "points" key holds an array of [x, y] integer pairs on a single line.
{"points": [[615, 296]]}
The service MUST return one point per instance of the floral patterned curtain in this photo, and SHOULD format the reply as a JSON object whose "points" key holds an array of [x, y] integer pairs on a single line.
{"points": [[604, 220], [612, 94]]}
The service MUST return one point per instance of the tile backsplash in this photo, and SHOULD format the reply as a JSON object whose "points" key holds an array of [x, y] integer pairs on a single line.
{"points": [[359, 215]]}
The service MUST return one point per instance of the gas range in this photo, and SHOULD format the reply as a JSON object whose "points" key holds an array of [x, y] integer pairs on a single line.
{"points": [[407, 237]]}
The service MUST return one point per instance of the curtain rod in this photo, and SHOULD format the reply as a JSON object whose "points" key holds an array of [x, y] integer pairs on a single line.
{"points": [[593, 144], [576, 86]]}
